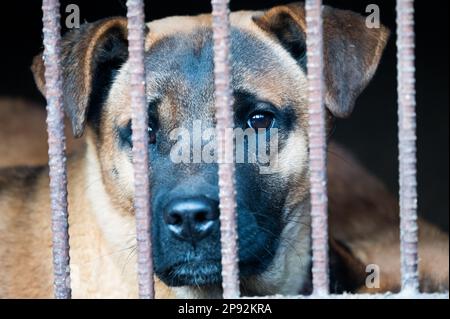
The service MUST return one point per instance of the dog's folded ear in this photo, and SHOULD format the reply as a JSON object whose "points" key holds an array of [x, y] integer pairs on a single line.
{"points": [[90, 56], [352, 51]]}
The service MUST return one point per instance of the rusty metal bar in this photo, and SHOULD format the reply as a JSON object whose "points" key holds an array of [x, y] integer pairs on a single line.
{"points": [[407, 145], [57, 148], [136, 39], [317, 147], [224, 117]]}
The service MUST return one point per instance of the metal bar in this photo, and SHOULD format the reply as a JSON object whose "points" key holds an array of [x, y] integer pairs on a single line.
{"points": [[407, 145], [317, 147], [354, 297], [57, 148], [224, 117], [136, 39]]}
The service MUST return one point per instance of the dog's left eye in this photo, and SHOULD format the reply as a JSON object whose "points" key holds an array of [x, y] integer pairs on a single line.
{"points": [[263, 120]]}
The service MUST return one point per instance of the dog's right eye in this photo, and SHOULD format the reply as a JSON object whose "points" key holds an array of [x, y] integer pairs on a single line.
{"points": [[126, 135]]}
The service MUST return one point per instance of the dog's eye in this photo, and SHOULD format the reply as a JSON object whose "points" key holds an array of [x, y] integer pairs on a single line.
{"points": [[262, 120], [126, 135]]}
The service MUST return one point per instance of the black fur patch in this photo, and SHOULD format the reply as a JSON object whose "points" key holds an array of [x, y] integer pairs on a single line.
{"points": [[109, 60]]}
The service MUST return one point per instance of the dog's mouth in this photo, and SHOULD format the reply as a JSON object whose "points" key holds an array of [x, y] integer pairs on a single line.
{"points": [[208, 272], [195, 273]]}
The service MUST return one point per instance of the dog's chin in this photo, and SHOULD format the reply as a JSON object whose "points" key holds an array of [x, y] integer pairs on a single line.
{"points": [[205, 273]]}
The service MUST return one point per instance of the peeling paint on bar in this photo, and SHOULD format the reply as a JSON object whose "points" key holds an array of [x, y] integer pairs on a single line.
{"points": [[136, 39], [224, 117], [57, 148], [407, 145], [317, 147]]}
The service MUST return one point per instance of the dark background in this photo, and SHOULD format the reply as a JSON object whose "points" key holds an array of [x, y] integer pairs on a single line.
{"points": [[371, 133]]}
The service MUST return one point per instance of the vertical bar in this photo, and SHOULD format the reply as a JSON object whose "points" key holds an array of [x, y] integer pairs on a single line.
{"points": [[407, 145], [57, 148], [317, 147], [224, 117], [136, 39]]}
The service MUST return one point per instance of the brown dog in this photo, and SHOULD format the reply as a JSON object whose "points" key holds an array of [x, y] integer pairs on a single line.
{"points": [[269, 85]]}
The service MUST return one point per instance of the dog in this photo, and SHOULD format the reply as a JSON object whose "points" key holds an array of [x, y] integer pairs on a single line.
{"points": [[274, 225]]}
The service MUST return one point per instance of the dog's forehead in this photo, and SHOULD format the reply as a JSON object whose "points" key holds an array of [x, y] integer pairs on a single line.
{"points": [[183, 24], [180, 69]]}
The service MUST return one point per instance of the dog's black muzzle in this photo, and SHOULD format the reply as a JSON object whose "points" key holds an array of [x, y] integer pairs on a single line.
{"points": [[186, 228]]}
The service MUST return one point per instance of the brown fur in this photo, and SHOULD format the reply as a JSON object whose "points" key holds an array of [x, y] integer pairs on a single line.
{"points": [[99, 269], [364, 216], [23, 134], [363, 222], [80, 67]]}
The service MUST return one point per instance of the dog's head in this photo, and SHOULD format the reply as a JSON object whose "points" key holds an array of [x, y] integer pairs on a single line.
{"points": [[270, 92]]}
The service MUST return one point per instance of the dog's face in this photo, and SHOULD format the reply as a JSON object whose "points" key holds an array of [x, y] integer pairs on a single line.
{"points": [[270, 95]]}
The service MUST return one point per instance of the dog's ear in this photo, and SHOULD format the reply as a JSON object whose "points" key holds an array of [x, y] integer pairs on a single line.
{"points": [[352, 51], [90, 57]]}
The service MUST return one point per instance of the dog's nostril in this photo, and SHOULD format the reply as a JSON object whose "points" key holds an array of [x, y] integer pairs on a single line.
{"points": [[201, 217], [174, 219]]}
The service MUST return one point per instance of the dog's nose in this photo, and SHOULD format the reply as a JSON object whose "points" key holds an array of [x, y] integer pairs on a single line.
{"points": [[191, 219]]}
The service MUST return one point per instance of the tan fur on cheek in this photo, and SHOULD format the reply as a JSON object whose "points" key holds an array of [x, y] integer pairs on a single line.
{"points": [[116, 162], [293, 158], [125, 167], [115, 224]]}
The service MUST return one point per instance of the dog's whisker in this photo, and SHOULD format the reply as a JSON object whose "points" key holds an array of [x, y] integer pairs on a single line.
{"points": [[130, 255]]}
